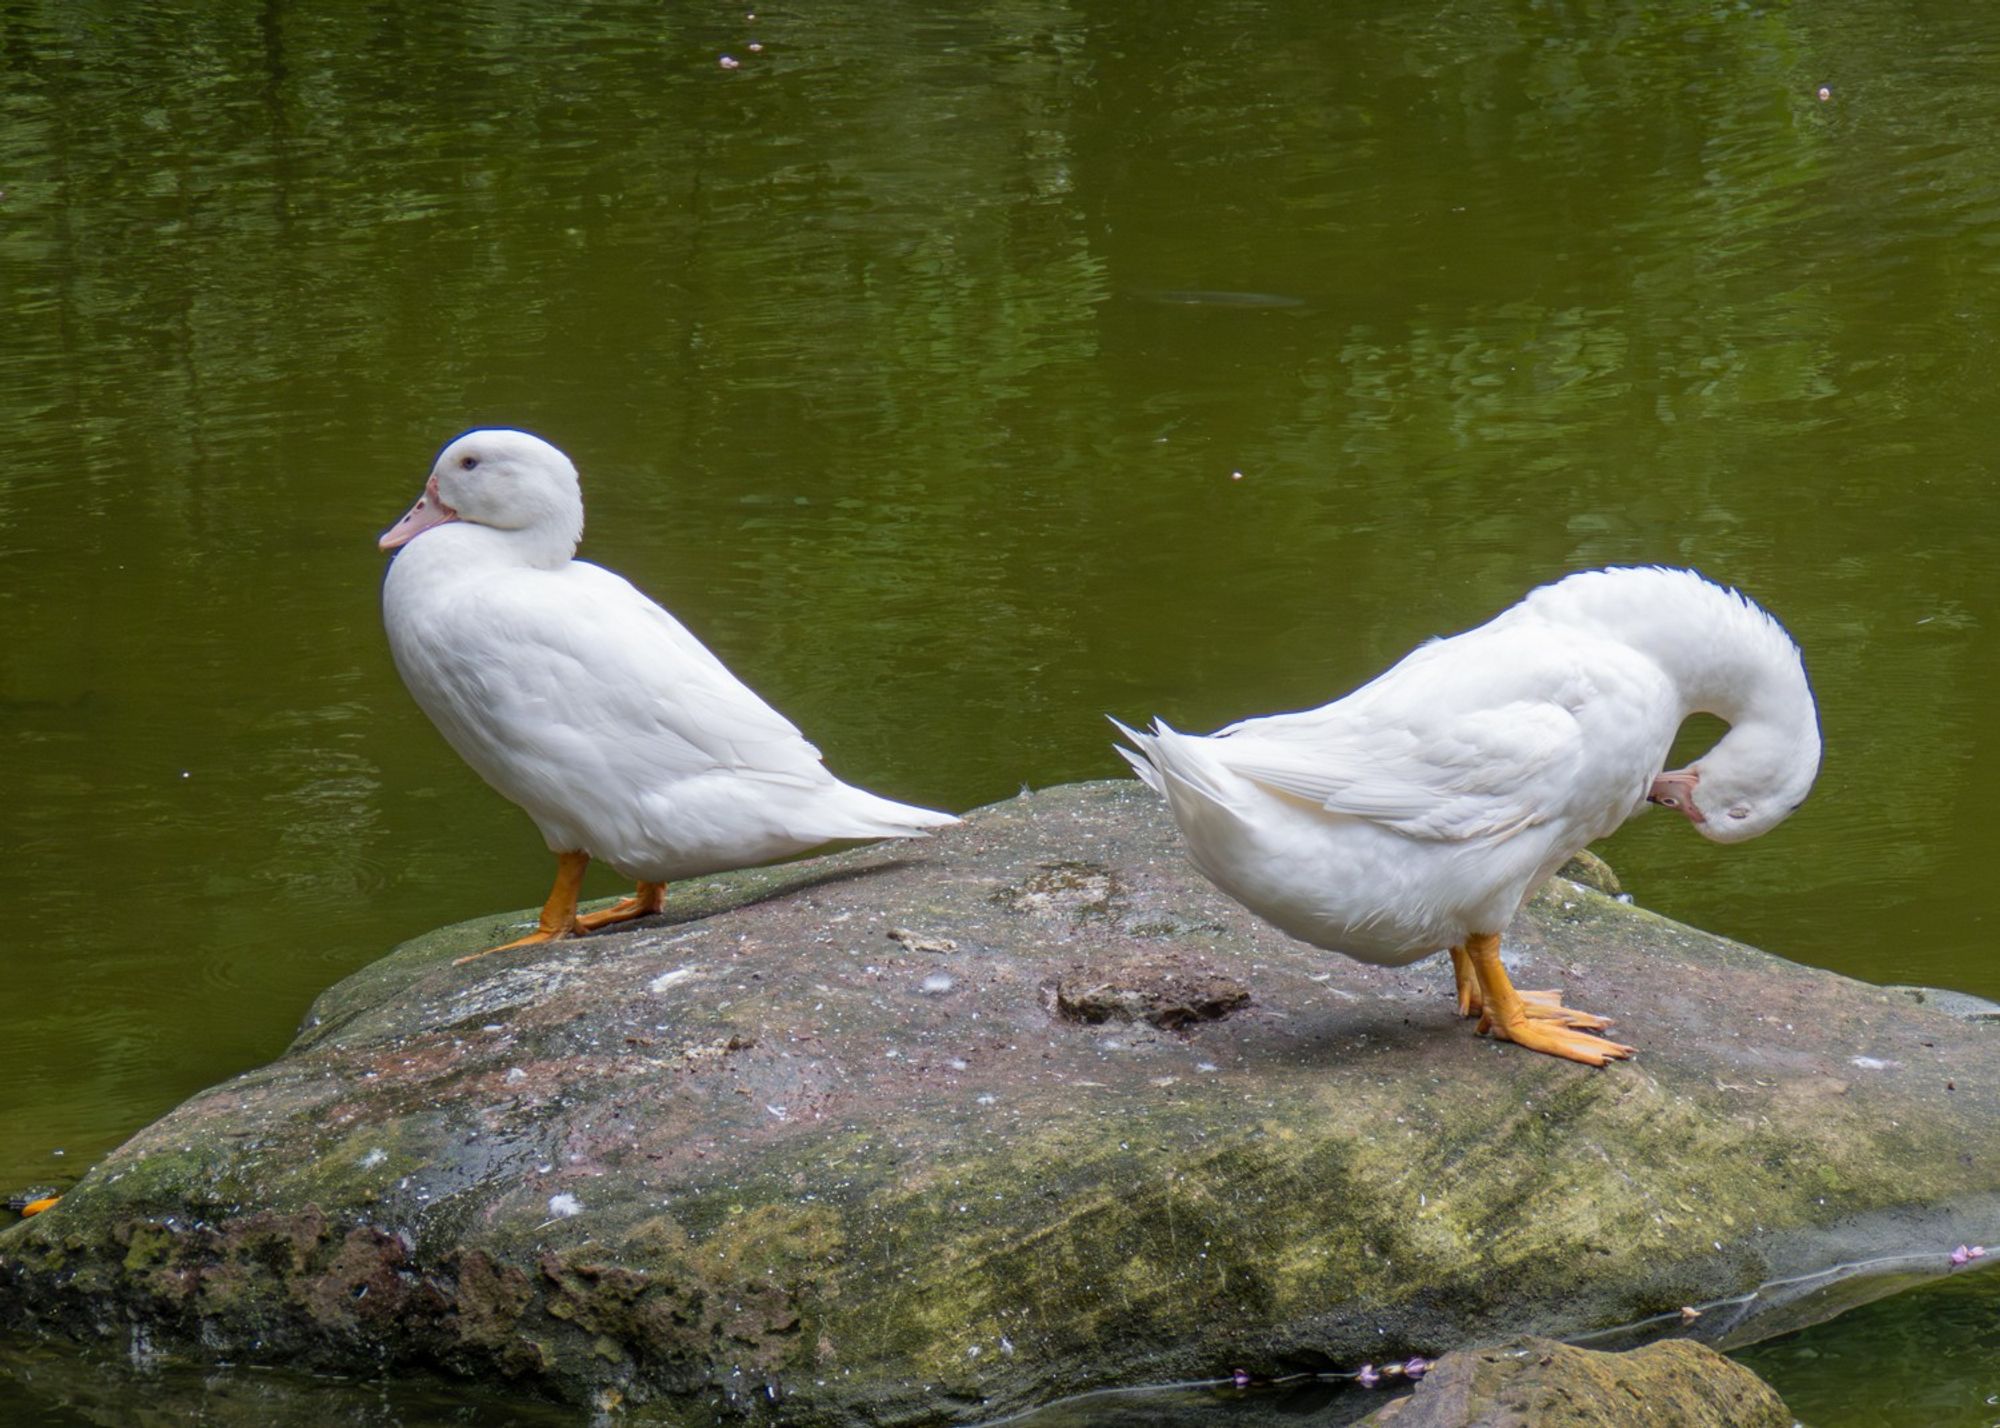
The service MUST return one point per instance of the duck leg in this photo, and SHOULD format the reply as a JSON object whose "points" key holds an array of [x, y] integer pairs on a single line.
{"points": [[1545, 1005], [1507, 1016], [558, 917], [646, 900], [1468, 982]]}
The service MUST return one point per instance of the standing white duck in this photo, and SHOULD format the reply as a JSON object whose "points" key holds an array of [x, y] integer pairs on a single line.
{"points": [[586, 703], [1420, 811]]}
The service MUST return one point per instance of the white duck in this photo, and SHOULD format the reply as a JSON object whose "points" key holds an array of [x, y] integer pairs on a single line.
{"points": [[586, 703], [1419, 812]]}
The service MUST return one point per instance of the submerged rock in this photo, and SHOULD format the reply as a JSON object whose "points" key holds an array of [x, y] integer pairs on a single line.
{"points": [[1593, 872], [1538, 1383], [824, 1144]]}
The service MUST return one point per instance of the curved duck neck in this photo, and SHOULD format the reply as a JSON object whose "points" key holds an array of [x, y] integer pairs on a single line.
{"points": [[1723, 655]]}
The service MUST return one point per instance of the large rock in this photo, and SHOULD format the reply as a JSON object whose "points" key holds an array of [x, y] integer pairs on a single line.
{"points": [[1538, 1383], [931, 1132]]}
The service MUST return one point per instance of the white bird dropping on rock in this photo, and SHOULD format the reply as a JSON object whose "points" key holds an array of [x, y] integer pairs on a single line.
{"points": [[561, 1207]]}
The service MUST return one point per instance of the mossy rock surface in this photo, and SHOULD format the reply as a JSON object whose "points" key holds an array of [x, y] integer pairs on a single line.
{"points": [[933, 1132], [1538, 1383]]}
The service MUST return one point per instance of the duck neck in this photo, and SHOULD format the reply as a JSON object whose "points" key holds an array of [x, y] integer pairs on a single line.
{"points": [[1742, 677], [463, 545], [1723, 655], [547, 545]]}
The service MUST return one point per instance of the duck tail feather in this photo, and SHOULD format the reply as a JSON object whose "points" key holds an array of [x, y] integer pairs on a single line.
{"points": [[1140, 755], [869, 815], [1183, 760]]}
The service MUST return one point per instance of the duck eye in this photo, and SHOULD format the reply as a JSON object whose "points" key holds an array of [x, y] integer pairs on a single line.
{"points": [[468, 462]]}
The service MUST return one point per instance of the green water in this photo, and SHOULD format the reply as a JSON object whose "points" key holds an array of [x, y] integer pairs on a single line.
{"points": [[911, 361]]}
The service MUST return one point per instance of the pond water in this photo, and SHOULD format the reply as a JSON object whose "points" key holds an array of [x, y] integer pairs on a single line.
{"points": [[961, 378]]}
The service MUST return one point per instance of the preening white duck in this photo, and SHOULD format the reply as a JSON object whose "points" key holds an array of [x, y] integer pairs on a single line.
{"points": [[1419, 812], [580, 699]]}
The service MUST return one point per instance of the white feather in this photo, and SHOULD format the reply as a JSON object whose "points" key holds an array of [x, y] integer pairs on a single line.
{"points": [[586, 703], [1426, 805]]}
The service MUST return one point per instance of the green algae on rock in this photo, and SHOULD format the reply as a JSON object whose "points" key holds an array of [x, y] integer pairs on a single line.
{"points": [[1531, 1381], [823, 1144]]}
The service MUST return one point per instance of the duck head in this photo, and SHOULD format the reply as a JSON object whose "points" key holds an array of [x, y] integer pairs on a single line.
{"points": [[1751, 781], [503, 480]]}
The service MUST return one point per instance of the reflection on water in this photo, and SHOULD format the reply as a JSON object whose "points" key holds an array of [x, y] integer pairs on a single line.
{"points": [[52, 1389], [1931, 1356], [913, 363]]}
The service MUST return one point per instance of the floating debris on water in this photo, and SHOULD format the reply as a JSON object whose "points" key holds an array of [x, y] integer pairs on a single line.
{"points": [[1219, 297]]}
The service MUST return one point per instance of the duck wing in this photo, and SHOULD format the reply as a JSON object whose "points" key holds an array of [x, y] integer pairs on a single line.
{"points": [[1484, 773], [577, 666]]}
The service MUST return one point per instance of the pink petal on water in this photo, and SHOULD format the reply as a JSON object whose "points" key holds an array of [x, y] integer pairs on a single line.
{"points": [[1368, 1377]]}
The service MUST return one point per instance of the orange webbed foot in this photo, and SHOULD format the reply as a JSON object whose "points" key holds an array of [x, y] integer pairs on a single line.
{"points": [[1542, 1024], [648, 900], [558, 917], [540, 934], [1560, 1041], [1548, 1006], [1543, 1005]]}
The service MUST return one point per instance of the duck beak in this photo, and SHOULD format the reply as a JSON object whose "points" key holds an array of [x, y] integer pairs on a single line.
{"points": [[430, 510], [1676, 791]]}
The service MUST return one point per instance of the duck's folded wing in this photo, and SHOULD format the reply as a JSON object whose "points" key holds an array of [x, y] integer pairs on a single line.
{"points": [[1484, 774], [596, 660]]}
